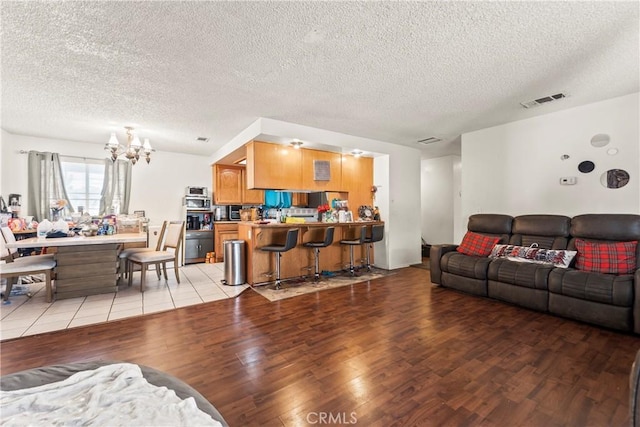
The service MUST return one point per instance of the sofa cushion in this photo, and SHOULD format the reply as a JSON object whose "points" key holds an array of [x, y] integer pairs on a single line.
{"points": [[547, 231], [597, 287], [475, 244], [601, 257], [559, 258], [465, 265], [526, 275]]}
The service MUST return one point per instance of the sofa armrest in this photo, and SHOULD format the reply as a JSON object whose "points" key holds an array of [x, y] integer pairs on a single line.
{"points": [[437, 251], [636, 302]]}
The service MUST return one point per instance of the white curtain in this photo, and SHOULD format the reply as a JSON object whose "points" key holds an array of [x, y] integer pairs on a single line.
{"points": [[46, 186], [116, 188]]}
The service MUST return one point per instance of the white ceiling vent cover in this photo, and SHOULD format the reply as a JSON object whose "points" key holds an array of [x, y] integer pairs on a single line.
{"points": [[430, 140], [543, 100]]}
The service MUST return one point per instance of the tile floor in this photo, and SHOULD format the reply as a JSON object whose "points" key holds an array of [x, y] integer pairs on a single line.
{"points": [[199, 283]]}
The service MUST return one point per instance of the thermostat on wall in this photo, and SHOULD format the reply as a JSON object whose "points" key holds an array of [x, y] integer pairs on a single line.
{"points": [[568, 180]]}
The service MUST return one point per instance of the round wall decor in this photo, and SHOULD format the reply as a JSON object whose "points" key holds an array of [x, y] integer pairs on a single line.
{"points": [[586, 166]]}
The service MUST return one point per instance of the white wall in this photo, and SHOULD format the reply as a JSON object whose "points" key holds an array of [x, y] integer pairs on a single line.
{"points": [[440, 190], [398, 196], [515, 168], [157, 187]]}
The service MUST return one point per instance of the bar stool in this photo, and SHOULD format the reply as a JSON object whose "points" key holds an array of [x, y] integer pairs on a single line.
{"points": [[290, 243], [359, 240], [377, 234], [328, 239]]}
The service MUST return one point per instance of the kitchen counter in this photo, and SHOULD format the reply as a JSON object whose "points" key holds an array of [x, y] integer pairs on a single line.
{"points": [[299, 261]]}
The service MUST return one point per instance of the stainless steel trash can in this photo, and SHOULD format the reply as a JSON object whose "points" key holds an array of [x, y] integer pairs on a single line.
{"points": [[234, 263]]}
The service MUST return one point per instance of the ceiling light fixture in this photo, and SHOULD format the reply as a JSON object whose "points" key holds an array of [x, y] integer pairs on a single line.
{"points": [[296, 143], [133, 148], [357, 153]]}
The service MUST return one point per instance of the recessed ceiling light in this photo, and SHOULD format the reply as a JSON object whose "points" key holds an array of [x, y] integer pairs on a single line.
{"points": [[296, 143], [357, 153]]}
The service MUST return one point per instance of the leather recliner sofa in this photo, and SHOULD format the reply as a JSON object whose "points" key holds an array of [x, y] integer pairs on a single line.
{"points": [[604, 299]]}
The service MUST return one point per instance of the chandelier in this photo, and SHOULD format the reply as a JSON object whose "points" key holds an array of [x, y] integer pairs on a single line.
{"points": [[132, 150]]}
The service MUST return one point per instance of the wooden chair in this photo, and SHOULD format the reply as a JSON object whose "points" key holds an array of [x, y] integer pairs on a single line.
{"points": [[170, 252], [15, 267], [124, 254]]}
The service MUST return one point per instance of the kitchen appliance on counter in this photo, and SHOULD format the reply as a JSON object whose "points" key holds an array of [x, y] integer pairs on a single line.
{"points": [[233, 213]]}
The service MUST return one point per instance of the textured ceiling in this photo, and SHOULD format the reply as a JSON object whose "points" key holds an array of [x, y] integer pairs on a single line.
{"points": [[392, 71]]}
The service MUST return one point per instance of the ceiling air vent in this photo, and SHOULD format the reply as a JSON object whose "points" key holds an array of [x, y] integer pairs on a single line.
{"points": [[543, 100], [202, 139], [429, 140]]}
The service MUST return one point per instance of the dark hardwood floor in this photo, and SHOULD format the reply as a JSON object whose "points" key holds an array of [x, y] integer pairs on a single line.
{"points": [[397, 351]]}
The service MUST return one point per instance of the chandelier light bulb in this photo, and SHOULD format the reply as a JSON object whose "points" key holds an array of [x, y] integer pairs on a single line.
{"points": [[113, 141], [147, 146]]}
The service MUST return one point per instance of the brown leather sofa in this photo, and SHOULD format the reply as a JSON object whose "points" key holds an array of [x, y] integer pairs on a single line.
{"points": [[609, 300]]}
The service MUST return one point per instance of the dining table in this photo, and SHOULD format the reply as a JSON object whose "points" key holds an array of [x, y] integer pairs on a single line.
{"points": [[85, 265]]}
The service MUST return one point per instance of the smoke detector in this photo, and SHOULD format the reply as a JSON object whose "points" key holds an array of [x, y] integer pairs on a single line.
{"points": [[543, 100]]}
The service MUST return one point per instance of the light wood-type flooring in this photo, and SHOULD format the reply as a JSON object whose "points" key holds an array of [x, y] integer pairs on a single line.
{"points": [[397, 351]]}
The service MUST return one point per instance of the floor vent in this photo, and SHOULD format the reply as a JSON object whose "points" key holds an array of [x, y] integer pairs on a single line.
{"points": [[429, 140], [543, 100]]}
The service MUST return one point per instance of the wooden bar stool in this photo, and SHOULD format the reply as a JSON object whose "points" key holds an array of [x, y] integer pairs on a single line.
{"points": [[328, 239], [290, 243], [356, 241], [377, 234]]}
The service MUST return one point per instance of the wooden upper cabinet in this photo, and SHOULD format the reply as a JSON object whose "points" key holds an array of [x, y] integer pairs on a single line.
{"points": [[273, 166], [230, 186], [227, 184], [357, 180], [250, 197], [309, 165]]}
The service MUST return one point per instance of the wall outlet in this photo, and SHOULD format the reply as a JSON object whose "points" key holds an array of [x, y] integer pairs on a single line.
{"points": [[568, 180]]}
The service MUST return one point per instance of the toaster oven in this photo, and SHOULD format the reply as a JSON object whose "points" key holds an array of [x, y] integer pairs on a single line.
{"points": [[197, 191]]}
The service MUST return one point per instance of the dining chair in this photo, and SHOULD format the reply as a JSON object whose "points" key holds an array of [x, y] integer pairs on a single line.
{"points": [[170, 252], [124, 254], [15, 267]]}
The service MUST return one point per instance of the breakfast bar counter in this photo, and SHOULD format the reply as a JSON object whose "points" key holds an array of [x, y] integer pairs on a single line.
{"points": [[84, 265], [299, 261]]}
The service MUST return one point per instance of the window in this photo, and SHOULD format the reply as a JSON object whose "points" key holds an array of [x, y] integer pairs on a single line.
{"points": [[83, 180]]}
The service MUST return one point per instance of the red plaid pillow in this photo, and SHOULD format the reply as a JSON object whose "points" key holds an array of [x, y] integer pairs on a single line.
{"points": [[616, 258], [477, 244]]}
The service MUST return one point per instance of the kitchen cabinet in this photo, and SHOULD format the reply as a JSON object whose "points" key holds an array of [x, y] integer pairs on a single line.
{"points": [[273, 166], [249, 196], [230, 186], [300, 199], [197, 244], [334, 160], [223, 232], [357, 180], [227, 184]]}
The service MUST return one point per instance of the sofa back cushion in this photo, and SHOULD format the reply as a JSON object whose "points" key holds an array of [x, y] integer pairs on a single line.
{"points": [[606, 228], [496, 225], [547, 231]]}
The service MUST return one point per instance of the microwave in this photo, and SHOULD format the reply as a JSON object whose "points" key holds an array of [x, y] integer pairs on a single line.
{"points": [[197, 203], [197, 191]]}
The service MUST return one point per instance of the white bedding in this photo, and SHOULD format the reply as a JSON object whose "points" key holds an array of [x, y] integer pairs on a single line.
{"points": [[112, 395]]}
